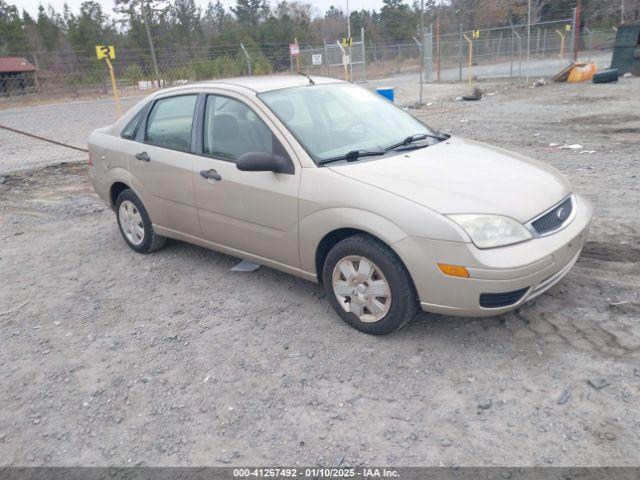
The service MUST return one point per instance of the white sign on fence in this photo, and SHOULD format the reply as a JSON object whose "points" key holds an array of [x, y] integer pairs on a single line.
{"points": [[294, 49], [345, 59], [316, 59]]}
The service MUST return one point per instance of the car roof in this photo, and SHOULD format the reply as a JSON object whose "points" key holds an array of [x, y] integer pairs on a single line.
{"points": [[262, 83]]}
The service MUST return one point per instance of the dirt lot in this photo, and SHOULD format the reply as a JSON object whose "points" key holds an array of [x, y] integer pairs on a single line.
{"points": [[113, 358]]}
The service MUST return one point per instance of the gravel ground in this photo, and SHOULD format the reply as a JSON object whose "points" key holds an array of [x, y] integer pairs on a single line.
{"points": [[113, 358]]}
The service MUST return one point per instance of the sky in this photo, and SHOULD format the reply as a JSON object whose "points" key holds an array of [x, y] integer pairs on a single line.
{"points": [[31, 6]]}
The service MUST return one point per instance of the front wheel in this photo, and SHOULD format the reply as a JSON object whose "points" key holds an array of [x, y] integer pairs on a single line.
{"points": [[368, 285]]}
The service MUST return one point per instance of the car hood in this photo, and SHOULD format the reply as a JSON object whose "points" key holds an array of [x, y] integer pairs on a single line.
{"points": [[464, 176]]}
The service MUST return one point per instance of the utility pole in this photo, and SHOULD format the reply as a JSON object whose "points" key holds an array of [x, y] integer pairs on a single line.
{"points": [[348, 21], [421, 47], [145, 20], [621, 11]]}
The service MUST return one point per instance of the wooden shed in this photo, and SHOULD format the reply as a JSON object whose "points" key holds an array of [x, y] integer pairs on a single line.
{"points": [[17, 76]]}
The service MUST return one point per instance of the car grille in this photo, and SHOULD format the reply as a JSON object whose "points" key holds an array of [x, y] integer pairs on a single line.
{"points": [[497, 300], [554, 219]]}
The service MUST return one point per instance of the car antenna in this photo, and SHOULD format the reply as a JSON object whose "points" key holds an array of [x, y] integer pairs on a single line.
{"points": [[311, 82]]}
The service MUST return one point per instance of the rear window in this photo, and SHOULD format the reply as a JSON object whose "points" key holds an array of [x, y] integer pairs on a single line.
{"points": [[131, 129], [169, 123]]}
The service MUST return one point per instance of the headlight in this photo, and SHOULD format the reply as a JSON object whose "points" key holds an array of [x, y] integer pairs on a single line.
{"points": [[487, 231]]}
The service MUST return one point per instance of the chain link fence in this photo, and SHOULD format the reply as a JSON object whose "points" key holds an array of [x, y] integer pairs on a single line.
{"points": [[541, 49], [78, 73], [500, 52], [62, 96]]}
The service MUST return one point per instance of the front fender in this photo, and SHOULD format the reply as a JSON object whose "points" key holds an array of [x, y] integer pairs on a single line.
{"points": [[318, 224]]}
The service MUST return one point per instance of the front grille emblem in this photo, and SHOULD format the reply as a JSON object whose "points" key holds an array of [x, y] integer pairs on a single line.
{"points": [[562, 213], [554, 218]]}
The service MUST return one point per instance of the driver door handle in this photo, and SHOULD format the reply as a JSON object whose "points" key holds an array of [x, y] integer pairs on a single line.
{"points": [[143, 157], [210, 174]]}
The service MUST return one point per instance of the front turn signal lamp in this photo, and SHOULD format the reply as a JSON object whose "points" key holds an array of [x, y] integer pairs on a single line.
{"points": [[453, 270]]}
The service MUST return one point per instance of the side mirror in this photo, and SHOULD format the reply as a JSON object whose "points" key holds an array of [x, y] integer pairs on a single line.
{"points": [[264, 162]]}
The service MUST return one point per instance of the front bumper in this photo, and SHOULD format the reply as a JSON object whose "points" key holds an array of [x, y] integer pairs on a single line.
{"points": [[532, 267]]}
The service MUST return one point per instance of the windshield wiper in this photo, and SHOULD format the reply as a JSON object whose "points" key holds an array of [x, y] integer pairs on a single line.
{"points": [[352, 156], [414, 138]]}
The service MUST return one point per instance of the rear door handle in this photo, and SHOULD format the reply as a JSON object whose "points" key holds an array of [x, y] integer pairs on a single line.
{"points": [[143, 157], [211, 174]]}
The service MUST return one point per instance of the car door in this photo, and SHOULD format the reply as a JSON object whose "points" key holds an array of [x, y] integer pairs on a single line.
{"points": [[253, 212], [161, 163]]}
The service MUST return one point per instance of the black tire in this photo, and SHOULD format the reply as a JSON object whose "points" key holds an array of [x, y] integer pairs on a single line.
{"points": [[404, 300], [606, 76], [151, 241]]}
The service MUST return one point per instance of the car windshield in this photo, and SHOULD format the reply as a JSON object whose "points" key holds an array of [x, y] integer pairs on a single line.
{"points": [[333, 120]]}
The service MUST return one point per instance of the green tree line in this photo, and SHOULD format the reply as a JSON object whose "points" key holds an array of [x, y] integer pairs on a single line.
{"points": [[185, 26]]}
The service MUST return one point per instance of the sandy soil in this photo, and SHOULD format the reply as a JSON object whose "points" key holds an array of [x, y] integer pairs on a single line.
{"points": [[113, 358]]}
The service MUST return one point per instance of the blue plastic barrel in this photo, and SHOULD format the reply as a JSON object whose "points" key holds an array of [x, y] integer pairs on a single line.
{"points": [[386, 92]]}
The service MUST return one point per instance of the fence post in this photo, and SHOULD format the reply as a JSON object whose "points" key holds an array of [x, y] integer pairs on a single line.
{"points": [[422, 66], [561, 42], [513, 36], [246, 54], [344, 63], [573, 31], [350, 54], [576, 31], [326, 57], [421, 51], [364, 56], [499, 46], [544, 44], [519, 55], [470, 43], [438, 48], [538, 42], [427, 48], [460, 45]]}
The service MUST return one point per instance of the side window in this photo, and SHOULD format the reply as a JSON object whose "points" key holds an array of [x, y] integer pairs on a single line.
{"points": [[129, 132], [232, 129], [170, 120]]}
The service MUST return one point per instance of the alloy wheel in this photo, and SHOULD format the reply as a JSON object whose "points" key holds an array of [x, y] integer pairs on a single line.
{"points": [[131, 222], [361, 288]]}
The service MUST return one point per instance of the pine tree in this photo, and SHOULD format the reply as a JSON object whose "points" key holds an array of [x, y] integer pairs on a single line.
{"points": [[250, 12], [12, 37]]}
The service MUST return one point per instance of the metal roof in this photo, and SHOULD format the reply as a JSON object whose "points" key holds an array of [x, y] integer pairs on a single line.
{"points": [[15, 64]]}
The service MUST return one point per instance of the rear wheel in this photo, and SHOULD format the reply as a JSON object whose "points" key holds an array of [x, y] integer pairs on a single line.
{"points": [[135, 224], [368, 285]]}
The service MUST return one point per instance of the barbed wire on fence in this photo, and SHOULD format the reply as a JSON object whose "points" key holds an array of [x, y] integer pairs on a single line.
{"points": [[78, 73]]}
